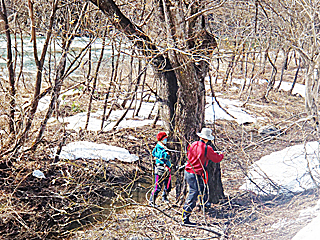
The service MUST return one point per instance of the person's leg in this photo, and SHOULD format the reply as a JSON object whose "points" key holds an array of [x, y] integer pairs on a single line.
{"points": [[167, 188], [207, 204], [191, 199], [154, 194], [203, 193]]}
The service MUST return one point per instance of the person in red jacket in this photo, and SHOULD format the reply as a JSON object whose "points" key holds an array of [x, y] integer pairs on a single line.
{"points": [[199, 153]]}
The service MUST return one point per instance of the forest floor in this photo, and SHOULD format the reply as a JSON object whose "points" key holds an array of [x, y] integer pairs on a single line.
{"points": [[99, 195]]}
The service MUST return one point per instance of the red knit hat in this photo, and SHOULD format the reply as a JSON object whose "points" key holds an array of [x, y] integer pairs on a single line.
{"points": [[161, 136]]}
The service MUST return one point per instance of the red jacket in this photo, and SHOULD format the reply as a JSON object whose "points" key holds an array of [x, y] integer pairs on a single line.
{"points": [[197, 159]]}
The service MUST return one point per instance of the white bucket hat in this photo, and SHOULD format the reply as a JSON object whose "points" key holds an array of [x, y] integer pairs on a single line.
{"points": [[206, 133]]}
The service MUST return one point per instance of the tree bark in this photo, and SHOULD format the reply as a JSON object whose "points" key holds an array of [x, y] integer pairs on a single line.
{"points": [[284, 67], [214, 182], [312, 92], [295, 77]]}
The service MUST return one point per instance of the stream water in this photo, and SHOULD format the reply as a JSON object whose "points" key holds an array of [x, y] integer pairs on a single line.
{"points": [[25, 53], [137, 193]]}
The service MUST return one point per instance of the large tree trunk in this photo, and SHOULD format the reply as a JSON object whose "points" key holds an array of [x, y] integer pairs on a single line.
{"points": [[167, 93], [191, 103], [214, 182]]}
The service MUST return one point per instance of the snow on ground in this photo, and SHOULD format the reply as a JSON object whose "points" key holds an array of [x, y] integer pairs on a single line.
{"points": [[78, 121], [231, 110], [90, 150], [212, 113], [45, 101], [99, 151], [309, 232], [298, 88], [286, 86], [293, 169]]}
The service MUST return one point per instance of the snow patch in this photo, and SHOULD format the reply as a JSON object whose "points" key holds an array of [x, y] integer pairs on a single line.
{"points": [[90, 150], [293, 169]]}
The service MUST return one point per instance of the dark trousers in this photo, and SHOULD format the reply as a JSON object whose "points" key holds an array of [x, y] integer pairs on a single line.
{"points": [[161, 182], [197, 189]]}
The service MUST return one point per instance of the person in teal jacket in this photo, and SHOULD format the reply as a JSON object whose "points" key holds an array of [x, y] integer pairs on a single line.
{"points": [[162, 169]]}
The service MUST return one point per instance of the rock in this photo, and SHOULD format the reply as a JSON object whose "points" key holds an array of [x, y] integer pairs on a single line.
{"points": [[269, 130], [38, 174]]}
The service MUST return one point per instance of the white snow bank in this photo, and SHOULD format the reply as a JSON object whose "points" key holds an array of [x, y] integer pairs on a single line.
{"points": [[298, 88], [231, 106], [312, 230], [212, 112], [286, 86], [44, 103], [309, 232], [293, 169], [304, 216], [90, 150], [78, 121]]}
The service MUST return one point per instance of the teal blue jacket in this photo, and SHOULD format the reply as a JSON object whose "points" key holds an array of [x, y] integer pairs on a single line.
{"points": [[161, 155]]}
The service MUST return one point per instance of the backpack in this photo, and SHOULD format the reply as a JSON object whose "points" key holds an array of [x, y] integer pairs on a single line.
{"points": [[205, 175]]}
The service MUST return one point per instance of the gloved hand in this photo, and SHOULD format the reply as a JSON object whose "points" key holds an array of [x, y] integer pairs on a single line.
{"points": [[181, 167]]}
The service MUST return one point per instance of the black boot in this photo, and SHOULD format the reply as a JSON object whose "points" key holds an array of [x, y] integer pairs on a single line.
{"points": [[185, 218], [187, 222]]}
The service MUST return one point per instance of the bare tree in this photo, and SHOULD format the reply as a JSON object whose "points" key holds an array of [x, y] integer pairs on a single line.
{"points": [[180, 59], [12, 91], [60, 74]]}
